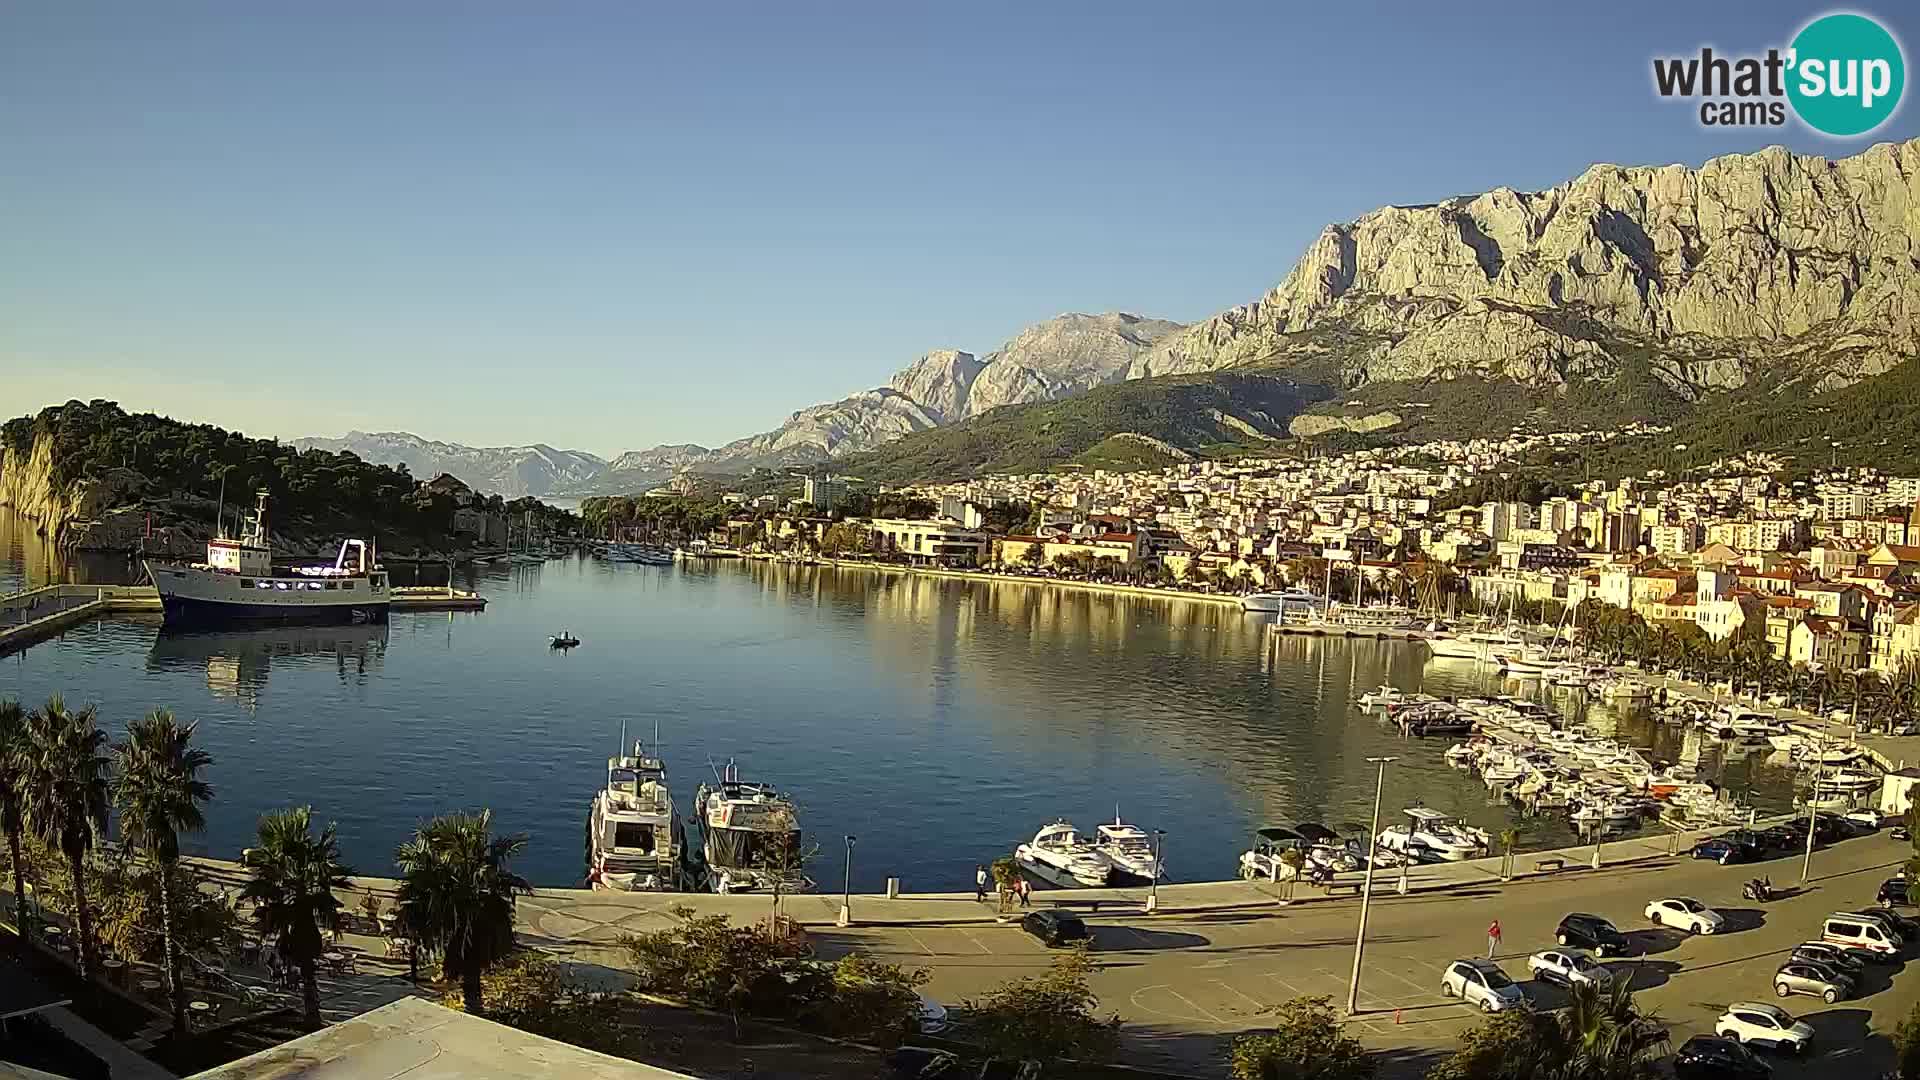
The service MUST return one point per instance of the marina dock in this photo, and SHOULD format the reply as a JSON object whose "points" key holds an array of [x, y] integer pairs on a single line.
{"points": [[34, 615]]}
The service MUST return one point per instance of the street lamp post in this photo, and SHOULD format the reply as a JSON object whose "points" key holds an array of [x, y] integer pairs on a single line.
{"points": [[1366, 888], [1153, 883], [846, 888], [1813, 812]]}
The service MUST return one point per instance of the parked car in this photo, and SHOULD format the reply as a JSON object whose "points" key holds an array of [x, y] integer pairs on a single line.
{"points": [[1724, 851], [922, 1063], [1906, 929], [1054, 927], [1782, 837], [1893, 891], [1867, 819], [1748, 838], [1755, 1023], [1804, 977], [1865, 936], [1581, 930], [1568, 967], [1710, 1057], [1826, 829], [1830, 955], [1685, 913], [1482, 983], [933, 1016]]}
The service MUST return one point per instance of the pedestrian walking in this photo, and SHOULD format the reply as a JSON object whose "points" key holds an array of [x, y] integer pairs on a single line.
{"points": [[1493, 937], [1025, 890], [980, 884]]}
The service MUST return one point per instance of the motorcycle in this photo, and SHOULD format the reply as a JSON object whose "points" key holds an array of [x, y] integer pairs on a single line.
{"points": [[1758, 889]]}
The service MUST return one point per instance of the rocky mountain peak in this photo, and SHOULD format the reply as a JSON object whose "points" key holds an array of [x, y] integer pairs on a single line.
{"points": [[939, 382], [1751, 260]]}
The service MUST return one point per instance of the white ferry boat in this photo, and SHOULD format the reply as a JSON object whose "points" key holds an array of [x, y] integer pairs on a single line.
{"points": [[239, 583]]}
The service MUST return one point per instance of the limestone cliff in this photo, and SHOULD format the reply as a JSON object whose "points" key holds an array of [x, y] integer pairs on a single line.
{"points": [[78, 515], [1773, 264], [1066, 355]]}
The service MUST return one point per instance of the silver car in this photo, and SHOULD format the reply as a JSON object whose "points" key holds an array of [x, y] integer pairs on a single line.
{"points": [[1805, 977]]}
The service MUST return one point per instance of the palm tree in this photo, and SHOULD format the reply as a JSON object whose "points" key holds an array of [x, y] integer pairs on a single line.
{"points": [[458, 895], [13, 744], [1605, 1036], [63, 789], [158, 792], [294, 877]]}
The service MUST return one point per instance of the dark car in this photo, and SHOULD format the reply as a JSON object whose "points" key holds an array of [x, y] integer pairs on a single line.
{"points": [[1583, 931], [1748, 838], [1054, 927], [1826, 829], [1908, 929], [1821, 952], [1893, 891], [1782, 837], [922, 1063], [1708, 1057], [1724, 851]]}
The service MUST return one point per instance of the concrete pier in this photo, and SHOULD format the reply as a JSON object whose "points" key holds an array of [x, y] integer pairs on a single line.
{"points": [[34, 615]]}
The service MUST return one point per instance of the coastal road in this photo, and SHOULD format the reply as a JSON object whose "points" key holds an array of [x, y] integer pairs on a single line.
{"points": [[1185, 984]]}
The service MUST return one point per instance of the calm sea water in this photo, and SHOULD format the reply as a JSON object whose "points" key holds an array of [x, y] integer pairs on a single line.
{"points": [[941, 722]]}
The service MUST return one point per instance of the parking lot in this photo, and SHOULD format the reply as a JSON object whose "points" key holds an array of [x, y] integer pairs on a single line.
{"points": [[1186, 984]]}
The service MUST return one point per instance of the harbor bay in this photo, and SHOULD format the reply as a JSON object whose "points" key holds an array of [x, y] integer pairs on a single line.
{"points": [[939, 721]]}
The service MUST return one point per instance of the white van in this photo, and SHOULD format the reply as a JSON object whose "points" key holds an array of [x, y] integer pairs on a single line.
{"points": [[1860, 933]]}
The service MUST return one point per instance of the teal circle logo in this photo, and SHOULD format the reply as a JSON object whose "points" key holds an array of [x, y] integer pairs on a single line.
{"points": [[1847, 75]]}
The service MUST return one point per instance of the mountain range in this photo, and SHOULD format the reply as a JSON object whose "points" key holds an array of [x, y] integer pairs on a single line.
{"points": [[1064, 356], [1666, 292]]}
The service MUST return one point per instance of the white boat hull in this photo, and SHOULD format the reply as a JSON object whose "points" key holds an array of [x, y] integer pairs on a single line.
{"points": [[190, 595]]}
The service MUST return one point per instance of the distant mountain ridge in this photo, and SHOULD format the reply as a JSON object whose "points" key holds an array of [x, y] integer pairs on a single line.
{"points": [[1064, 356], [511, 471]]}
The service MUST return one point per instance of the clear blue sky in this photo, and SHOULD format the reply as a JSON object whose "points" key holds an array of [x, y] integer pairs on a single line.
{"points": [[607, 226]]}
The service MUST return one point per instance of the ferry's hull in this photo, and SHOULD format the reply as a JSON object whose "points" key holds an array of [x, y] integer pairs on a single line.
{"points": [[190, 611], [200, 598]]}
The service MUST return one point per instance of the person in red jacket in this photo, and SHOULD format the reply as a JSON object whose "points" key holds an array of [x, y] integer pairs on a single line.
{"points": [[1493, 937]]}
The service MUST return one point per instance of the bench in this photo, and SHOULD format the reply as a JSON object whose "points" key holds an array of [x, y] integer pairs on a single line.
{"points": [[1549, 864], [1335, 886], [1090, 905]]}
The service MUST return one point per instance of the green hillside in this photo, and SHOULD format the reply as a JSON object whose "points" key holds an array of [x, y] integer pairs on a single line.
{"points": [[1190, 412]]}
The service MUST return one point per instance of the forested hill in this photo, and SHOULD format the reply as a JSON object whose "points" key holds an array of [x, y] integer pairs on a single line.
{"points": [[1183, 412], [91, 461]]}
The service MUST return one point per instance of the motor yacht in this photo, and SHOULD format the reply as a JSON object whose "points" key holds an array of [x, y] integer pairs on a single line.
{"points": [[1265, 860], [1058, 854], [1128, 849], [750, 835], [1435, 832], [635, 841]]}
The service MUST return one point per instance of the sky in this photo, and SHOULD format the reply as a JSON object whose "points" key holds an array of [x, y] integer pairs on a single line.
{"points": [[608, 226]]}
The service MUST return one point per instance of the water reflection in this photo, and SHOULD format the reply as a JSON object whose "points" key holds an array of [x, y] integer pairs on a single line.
{"points": [[237, 663], [940, 720]]}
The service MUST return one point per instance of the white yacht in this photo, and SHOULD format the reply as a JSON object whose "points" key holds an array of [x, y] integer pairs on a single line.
{"points": [[1128, 849], [1294, 601], [1479, 645], [1438, 834], [634, 839], [1058, 854], [239, 583], [750, 835]]}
